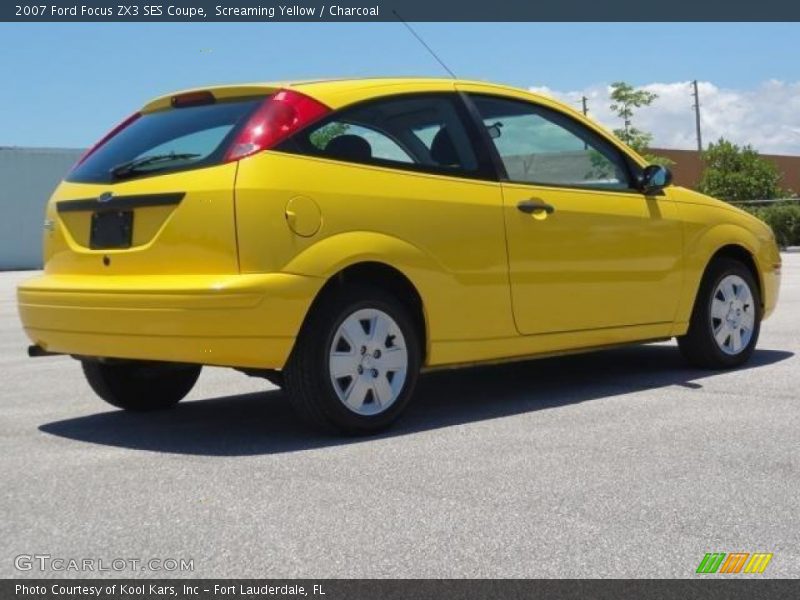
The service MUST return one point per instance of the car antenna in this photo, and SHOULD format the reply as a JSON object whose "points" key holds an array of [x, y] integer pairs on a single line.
{"points": [[421, 41]]}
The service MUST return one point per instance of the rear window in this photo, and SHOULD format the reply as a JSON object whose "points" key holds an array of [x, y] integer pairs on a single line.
{"points": [[166, 141]]}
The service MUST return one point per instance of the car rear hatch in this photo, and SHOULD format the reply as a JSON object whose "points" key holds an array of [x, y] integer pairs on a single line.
{"points": [[156, 195]]}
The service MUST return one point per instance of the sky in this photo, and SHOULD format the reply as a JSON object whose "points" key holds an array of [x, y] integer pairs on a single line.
{"points": [[65, 85]]}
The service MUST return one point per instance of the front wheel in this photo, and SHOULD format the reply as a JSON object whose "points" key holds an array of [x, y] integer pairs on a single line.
{"points": [[355, 362], [140, 385], [726, 319]]}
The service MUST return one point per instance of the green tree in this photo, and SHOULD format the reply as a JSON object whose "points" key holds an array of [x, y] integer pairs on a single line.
{"points": [[625, 100], [738, 173], [784, 219], [325, 134]]}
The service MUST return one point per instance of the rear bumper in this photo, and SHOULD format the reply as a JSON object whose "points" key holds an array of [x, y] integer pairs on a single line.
{"points": [[228, 320]]}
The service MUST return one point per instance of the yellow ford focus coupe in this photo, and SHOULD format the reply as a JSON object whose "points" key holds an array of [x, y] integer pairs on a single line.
{"points": [[337, 237]]}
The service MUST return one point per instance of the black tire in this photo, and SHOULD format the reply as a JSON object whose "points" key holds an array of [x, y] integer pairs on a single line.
{"points": [[307, 376], [141, 385], [699, 346]]}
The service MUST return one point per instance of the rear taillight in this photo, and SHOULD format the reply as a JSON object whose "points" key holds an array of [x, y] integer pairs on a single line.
{"points": [[107, 137], [277, 118]]}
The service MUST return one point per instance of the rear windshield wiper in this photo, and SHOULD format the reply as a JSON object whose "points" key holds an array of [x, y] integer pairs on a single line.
{"points": [[132, 166]]}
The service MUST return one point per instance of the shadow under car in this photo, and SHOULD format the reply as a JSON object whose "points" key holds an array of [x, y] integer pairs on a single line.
{"points": [[263, 423]]}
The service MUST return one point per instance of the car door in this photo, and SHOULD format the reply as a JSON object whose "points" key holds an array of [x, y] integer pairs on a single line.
{"points": [[586, 249]]}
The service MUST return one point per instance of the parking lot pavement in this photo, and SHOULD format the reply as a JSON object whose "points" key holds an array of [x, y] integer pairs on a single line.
{"points": [[617, 464]]}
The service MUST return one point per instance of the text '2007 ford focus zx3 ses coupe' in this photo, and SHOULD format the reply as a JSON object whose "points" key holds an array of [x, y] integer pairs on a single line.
{"points": [[338, 236]]}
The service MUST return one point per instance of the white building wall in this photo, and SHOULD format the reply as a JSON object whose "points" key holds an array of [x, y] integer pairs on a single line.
{"points": [[27, 178]]}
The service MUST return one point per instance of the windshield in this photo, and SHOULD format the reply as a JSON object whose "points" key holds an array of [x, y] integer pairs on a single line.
{"points": [[164, 141]]}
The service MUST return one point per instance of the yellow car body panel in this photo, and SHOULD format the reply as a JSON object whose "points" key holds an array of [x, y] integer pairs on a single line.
{"points": [[196, 236], [602, 259], [444, 234], [709, 225], [228, 320], [227, 275]]}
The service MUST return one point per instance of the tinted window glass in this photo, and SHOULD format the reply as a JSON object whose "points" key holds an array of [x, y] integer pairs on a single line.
{"points": [[417, 132], [538, 145], [164, 141], [381, 146]]}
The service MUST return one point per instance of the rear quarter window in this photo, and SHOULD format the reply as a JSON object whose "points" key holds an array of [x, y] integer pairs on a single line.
{"points": [[417, 132]]}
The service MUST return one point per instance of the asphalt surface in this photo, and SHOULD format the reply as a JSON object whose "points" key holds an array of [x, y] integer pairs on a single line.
{"points": [[617, 464]]}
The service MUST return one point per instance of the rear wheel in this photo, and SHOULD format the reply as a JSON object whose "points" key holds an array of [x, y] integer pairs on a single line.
{"points": [[141, 385], [355, 363], [726, 319]]}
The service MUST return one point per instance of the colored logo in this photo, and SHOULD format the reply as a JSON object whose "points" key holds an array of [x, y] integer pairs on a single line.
{"points": [[735, 562]]}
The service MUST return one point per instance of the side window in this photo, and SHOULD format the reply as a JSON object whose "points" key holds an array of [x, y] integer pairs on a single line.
{"points": [[378, 146], [418, 132], [539, 145]]}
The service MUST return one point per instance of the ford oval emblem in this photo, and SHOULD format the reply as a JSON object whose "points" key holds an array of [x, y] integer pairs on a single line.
{"points": [[105, 197]]}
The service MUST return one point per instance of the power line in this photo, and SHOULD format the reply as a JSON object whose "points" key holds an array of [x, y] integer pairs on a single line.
{"points": [[696, 107]]}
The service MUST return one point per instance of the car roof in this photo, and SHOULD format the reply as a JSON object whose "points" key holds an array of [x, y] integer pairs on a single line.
{"points": [[337, 93], [340, 92]]}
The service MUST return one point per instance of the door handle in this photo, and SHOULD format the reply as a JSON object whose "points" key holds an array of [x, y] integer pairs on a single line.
{"points": [[533, 205]]}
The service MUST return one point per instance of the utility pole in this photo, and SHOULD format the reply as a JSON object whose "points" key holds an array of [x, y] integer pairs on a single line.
{"points": [[585, 109], [696, 107]]}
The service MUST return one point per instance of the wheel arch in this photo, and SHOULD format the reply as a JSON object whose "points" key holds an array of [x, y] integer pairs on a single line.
{"points": [[724, 240], [702, 345], [396, 266], [386, 277], [739, 253]]}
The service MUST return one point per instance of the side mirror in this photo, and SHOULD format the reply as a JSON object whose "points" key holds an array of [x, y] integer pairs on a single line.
{"points": [[494, 130], [655, 178]]}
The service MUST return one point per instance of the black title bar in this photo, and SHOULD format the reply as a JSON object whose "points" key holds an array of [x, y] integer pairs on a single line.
{"points": [[700, 588], [410, 10]]}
